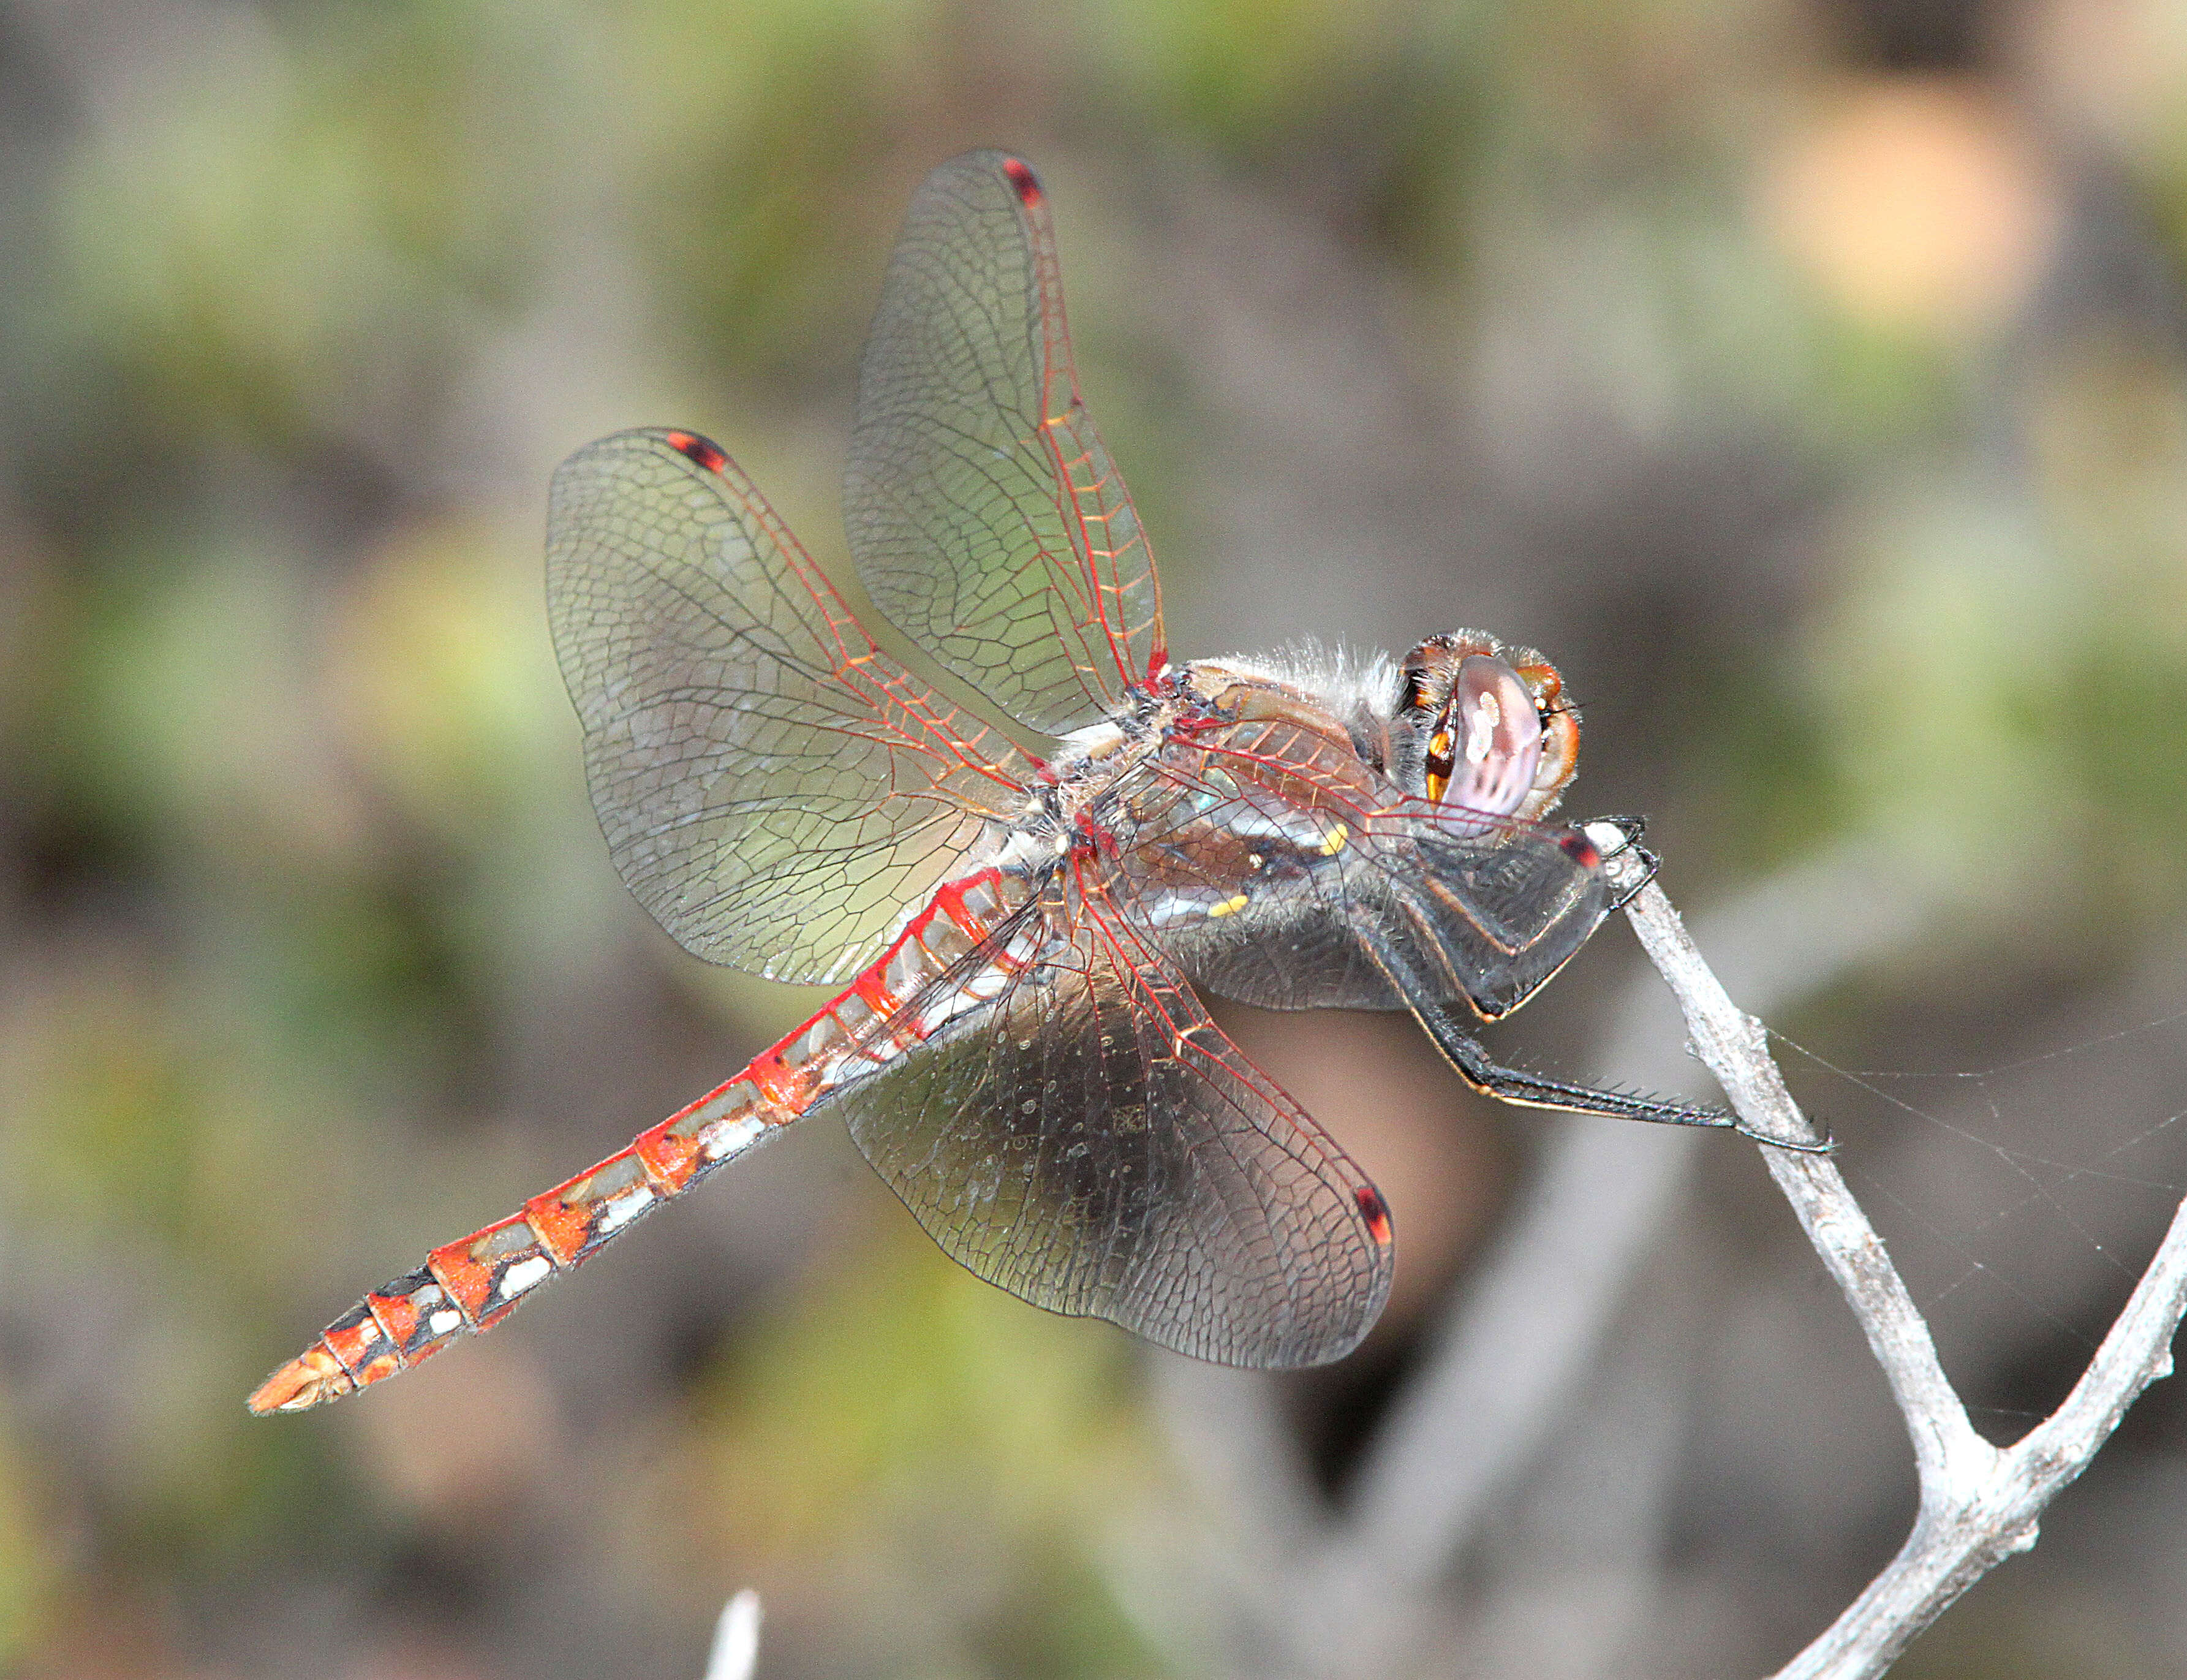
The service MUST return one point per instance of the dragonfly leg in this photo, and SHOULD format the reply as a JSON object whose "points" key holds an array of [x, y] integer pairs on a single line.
{"points": [[1466, 1053], [1631, 828]]}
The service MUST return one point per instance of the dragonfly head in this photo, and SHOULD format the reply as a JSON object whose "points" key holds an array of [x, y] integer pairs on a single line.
{"points": [[1483, 725]]}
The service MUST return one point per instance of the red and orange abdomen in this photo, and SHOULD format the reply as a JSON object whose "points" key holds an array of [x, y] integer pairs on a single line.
{"points": [[471, 1284]]}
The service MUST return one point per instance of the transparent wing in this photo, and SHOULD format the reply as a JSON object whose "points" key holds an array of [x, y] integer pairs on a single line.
{"points": [[1093, 1143], [986, 518], [1278, 868], [772, 790]]}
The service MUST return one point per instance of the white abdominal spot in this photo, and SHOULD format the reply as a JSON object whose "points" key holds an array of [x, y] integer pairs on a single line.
{"points": [[728, 1138], [624, 1208], [524, 1274]]}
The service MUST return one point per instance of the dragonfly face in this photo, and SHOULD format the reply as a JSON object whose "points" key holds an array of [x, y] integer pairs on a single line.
{"points": [[1017, 1046]]}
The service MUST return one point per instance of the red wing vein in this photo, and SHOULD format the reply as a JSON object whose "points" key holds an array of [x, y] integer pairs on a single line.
{"points": [[987, 518], [773, 789], [1061, 1144]]}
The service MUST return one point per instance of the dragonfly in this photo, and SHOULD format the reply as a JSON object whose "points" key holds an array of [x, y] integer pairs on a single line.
{"points": [[1018, 1045]]}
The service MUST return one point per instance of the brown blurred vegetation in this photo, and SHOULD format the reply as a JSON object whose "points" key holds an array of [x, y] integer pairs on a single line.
{"points": [[1809, 377]]}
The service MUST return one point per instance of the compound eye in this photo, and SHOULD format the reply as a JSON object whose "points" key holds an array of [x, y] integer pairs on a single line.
{"points": [[1487, 742]]}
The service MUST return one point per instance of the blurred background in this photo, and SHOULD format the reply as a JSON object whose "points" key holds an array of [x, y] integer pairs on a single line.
{"points": [[1808, 377]]}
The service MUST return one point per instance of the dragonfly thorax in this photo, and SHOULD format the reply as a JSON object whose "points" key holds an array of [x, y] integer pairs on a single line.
{"points": [[1071, 810]]}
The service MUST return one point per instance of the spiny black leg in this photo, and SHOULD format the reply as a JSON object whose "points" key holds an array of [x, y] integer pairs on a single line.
{"points": [[1515, 1085], [1533, 1090]]}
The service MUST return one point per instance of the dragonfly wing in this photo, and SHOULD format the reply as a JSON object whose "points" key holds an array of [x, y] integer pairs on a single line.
{"points": [[985, 515], [1280, 869], [1094, 1144], [774, 791]]}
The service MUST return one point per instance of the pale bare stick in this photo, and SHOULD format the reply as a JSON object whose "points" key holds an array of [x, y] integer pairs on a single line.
{"points": [[735, 1651], [1979, 1503]]}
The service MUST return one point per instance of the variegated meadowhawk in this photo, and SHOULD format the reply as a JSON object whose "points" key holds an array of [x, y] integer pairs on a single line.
{"points": [[1019, 1049]]}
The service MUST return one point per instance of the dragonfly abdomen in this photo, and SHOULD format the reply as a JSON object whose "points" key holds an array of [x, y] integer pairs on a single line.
{"points": [[921, 982]]}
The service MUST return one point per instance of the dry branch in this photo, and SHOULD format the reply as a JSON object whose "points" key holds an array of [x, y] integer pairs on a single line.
{"points": [[1979, 1503]]}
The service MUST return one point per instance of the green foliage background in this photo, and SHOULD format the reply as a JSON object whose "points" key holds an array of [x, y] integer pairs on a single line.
{"points": [[1399, 316]]}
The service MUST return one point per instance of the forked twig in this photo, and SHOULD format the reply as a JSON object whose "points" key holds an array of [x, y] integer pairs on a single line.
{"points": [[1979, 1503]]}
